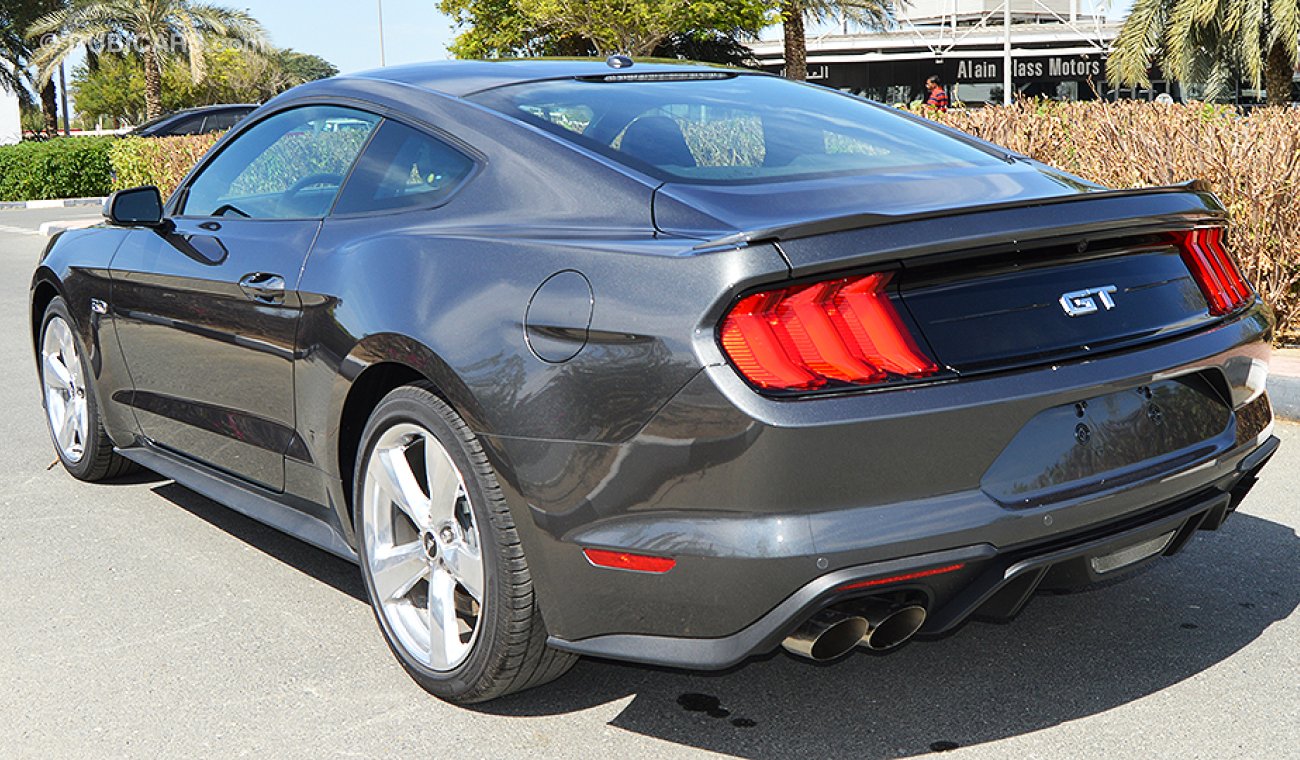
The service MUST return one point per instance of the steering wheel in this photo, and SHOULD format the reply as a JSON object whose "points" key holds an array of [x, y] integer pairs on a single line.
{"points": [[321, 178]]}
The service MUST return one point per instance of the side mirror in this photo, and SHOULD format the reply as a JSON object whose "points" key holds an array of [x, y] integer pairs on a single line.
{"points": [[136, 207]]}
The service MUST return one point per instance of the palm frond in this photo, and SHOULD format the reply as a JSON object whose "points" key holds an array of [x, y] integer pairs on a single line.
{"points": [[1137, 44], [871, 14]]}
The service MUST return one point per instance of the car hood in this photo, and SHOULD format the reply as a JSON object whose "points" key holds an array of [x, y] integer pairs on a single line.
{"points": [[709, 211]]}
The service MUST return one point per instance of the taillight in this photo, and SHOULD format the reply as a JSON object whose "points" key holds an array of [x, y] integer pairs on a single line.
{"points": [[838, 333], [1213, 269]]}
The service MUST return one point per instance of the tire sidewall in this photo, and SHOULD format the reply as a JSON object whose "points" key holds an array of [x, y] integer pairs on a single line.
{"points": [[407, 406], [81, 468]]}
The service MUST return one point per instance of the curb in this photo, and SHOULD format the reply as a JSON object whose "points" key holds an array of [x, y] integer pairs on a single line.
{"points": [[54, 203], [50, 229]]}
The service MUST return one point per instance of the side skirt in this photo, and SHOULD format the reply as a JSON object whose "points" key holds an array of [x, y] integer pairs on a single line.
{"points": [[242, 498]]}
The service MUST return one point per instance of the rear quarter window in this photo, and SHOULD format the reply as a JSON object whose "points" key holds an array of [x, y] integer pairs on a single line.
{"points": [[403, 168]]}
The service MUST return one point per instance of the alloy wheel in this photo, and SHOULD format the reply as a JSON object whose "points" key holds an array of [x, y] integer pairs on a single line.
{"points": [[423, 551], [65, 390]]}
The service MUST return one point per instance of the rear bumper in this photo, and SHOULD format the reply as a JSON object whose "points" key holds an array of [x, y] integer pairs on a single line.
{"points": [[766, 504], [990, 584]]}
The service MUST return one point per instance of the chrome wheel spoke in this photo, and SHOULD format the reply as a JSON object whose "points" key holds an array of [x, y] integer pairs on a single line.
{"points": [[465, 563], [397, 571], [57, 375], [67, 432], [444, 481], [444, 625], [403, 487]]}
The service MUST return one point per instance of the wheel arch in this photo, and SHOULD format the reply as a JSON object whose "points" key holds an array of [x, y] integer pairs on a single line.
{"points": [[44, 290], [381, 364]]}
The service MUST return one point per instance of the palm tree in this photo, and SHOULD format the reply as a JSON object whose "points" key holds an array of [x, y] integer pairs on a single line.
{"points": [[872, 14], [16, 52], [154, 27], [1212, 41], [13, 58]]}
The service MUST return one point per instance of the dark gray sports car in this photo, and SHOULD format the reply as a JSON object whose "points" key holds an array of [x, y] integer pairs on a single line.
{"points": [[664, 363]]}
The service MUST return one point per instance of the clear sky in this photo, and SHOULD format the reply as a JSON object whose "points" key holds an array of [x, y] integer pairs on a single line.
{"points": [[346, 32]]}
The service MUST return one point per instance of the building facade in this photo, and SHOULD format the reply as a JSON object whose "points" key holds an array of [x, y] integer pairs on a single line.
{"points": [[1041, 48], [11, 124]]}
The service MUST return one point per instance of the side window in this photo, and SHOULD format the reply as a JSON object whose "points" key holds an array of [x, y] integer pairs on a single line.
{"points": [[289, 166], [403, 168]]}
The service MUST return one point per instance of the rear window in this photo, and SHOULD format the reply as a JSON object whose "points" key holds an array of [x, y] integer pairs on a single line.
{"points": [[731, 128]]}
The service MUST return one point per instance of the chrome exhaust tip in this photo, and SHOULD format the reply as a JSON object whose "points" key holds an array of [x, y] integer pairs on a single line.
{"points": [[889, 625], [827, 635]]}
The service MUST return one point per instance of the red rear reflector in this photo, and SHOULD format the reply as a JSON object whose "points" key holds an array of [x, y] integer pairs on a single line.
{"points": [[1213, 269], [900, 578], [805, 337], [642, 563]]}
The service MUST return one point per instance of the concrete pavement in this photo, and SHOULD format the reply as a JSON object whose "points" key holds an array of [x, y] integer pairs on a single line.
{"points": [[141, 620]]}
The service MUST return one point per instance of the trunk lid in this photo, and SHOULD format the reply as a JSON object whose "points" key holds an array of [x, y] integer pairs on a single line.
{"points": [[1029, 279], [1048, 304]]}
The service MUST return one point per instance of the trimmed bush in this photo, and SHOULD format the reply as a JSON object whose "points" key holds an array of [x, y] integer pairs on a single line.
{"points": [[160, 161], [1251, 162], [65, 167]]}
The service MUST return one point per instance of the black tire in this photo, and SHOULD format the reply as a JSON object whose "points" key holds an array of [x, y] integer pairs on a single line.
{"points": [[98, 460], [509, 652]]}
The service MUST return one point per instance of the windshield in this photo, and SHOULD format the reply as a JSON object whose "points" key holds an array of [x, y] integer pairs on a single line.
{"points": [[731, 128]]}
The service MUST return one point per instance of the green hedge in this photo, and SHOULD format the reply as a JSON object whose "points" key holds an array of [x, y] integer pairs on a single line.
{"points": [[159, 161], [67, 167]]}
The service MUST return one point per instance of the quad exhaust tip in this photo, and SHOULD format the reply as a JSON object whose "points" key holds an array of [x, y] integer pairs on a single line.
{"points": [[874, 624], [827, 635], [888, 625]]}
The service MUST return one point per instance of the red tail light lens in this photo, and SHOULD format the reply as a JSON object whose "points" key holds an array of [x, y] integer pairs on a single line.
{"points": [[1213, 269], [642, 563], [901, 578], [839, 333]]}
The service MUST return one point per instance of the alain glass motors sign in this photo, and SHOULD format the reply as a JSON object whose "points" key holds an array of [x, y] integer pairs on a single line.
{"points": [[1047, 67]]}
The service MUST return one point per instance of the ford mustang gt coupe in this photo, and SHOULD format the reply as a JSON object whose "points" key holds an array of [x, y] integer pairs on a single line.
{"points": [[664, 363]]}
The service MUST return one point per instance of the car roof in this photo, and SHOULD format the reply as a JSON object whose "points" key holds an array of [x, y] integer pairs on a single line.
{"points": [[461, 78], [215, 107]]}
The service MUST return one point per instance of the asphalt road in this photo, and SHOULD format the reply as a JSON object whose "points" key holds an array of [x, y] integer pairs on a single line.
{"points": [[141, 620]]}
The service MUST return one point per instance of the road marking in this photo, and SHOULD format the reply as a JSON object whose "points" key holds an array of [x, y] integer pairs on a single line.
{"points": [[18, 230]]}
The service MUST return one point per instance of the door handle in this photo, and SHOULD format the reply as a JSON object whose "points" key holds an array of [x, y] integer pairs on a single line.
{"points": [[263, 287]]}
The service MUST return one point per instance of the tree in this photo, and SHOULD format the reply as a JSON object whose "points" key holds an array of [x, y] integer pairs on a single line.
{"points": [[297, 68], [794, 14], [501, 29], [156, 29], [637, 27], [527, 28], [15, 57], [1216, 42], [114, 88], [720, 46]]}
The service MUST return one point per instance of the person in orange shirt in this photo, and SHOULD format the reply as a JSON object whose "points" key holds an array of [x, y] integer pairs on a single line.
{"points": [[937, 97]]}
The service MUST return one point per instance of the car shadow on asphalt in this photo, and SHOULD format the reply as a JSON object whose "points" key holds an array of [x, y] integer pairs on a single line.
{"points": [[1064, 658], [321, 565]]}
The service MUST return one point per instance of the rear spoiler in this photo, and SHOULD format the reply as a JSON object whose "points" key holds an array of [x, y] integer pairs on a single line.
{"points": [[1206, 203]]}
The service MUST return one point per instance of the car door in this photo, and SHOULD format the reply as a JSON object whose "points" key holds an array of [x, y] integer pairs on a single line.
{"points": [[207, 307]]}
